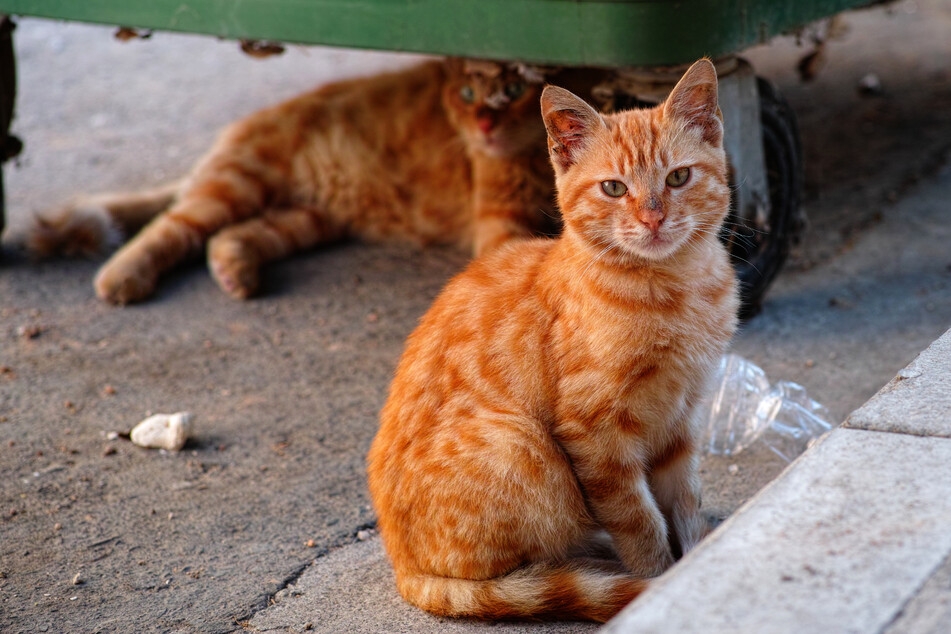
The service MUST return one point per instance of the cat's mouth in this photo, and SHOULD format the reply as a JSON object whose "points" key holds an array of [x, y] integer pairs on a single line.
{"points": [[499, 142], [647, 244]]}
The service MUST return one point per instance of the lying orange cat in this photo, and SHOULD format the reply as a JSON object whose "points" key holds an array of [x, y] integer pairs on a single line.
{"points": [[447, 153], [551, 392]]}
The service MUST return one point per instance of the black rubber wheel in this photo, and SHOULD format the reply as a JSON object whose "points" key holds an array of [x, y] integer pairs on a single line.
{"points": [[9, 145], [759, 248]]}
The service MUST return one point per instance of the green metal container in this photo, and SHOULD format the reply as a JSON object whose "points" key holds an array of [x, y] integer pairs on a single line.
{"points": [[565, 32]]}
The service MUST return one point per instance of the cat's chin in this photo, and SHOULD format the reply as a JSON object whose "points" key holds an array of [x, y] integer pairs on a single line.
{"points": [[497, 145], [493, 149], [653, 248]]}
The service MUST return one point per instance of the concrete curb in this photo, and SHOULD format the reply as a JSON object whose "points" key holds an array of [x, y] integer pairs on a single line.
{"points": [[855, 536], [917, 401]]}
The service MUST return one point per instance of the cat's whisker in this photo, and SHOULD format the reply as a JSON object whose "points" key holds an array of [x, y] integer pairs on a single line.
{"points": [[745, 261], [550, 214], [736, 185], [737, 227], [738, 233], [733, 256], [610, 245]]}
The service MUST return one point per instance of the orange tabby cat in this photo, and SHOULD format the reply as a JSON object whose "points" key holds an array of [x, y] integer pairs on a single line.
{"points": [[551, 391], [447, 153]]}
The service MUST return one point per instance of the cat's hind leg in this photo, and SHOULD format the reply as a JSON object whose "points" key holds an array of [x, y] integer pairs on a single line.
{"points": [[95, 224], [236, 253], [225, 191]]}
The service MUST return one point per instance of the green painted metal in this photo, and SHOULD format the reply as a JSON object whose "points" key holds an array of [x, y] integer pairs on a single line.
{"points": [[566, 32]]}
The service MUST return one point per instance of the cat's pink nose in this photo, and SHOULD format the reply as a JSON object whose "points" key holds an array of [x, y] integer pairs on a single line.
{"points": [[485, 118], [486, 124], [651, 218]]}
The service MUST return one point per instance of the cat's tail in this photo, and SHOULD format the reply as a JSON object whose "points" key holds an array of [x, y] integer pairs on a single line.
{"points": [[97, 224], [568, 591]]}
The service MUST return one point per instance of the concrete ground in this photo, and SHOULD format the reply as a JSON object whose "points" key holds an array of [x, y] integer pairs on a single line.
{"points": [[263, 522]]}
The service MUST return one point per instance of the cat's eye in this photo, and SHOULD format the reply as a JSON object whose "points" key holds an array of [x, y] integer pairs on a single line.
{"points": [[467, 94], [614, 189], [515, 90], [678, 177]]}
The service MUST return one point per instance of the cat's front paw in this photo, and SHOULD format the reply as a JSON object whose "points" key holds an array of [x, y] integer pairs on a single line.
{"points": [[661, 564], [235, 270], [646, 560], [117, 283], [692, 529]]}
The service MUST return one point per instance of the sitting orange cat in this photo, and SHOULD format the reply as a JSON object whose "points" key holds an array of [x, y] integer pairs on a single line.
{"points": [[444, 152], [552, 390]]}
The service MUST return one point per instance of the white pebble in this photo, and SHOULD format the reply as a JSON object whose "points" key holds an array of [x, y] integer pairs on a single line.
{"points": [[163, 431]]}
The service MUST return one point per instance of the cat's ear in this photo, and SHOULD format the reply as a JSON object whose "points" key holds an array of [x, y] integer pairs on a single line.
{"points": [[694, 100], [570, 122]]}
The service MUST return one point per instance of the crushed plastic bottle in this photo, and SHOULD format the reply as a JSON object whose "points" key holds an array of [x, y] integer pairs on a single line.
{"points": [[745, 409]]}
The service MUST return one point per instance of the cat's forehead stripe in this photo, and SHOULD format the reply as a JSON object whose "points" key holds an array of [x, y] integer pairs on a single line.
{"points": [[635, 143]]}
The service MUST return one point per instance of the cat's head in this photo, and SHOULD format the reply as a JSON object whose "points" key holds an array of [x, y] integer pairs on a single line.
{"points": [[494, 105], [641, 184]]}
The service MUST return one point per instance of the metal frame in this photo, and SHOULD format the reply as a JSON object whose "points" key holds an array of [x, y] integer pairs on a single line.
{"points": [[743, 142]]}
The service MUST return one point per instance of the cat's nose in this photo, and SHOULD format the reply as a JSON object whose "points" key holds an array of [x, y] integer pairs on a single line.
{"points": [[485, 124], [651, 216], [485, 119]]}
